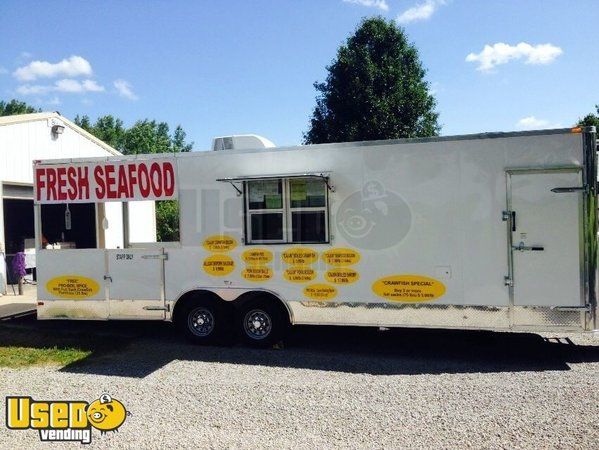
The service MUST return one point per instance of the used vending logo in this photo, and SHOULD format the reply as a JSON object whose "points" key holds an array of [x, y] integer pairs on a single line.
{"points": [[59, 421]]}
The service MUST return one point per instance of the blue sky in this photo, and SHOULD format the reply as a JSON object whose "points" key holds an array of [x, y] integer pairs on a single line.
{"points": [[241, 66]]}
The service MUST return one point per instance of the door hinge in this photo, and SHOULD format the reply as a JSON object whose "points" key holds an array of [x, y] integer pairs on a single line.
{"points": [[163, 256], [507, 281]]}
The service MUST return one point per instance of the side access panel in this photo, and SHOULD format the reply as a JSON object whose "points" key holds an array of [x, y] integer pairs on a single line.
{"points": [[136, 283], [70, 284]]}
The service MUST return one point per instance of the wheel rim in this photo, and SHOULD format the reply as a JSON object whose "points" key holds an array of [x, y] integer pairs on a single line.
{"points": [[257, 324], [201, 321]]}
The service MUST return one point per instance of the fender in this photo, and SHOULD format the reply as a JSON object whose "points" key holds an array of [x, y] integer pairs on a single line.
{"points": [[229, 295]]}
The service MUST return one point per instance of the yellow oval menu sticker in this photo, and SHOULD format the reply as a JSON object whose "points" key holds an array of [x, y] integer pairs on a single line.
{"points": [[257, 256], [408, 288], [340, 257], [342, 276], [299, 274], [320, 291], [220, 243], [257, 273], [219, 265], [299, 256], [74, 287]]}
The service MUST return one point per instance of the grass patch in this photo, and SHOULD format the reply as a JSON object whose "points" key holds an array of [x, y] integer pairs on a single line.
{"points": [[16, 357]]}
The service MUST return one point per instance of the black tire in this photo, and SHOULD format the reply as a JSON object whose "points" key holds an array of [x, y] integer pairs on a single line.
{"points": [[203, 321], [261, 323]]}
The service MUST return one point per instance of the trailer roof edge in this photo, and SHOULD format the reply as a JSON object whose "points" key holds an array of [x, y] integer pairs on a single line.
{"points": [[208, 153]]}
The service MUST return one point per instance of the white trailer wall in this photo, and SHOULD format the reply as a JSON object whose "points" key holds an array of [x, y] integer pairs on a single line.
{"points": [[450, 194]]}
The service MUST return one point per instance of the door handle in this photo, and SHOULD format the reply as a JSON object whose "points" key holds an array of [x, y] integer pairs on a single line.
{"points": [[513, 220], [159, 256], [562, 190], [523, 248], [108, 277]]}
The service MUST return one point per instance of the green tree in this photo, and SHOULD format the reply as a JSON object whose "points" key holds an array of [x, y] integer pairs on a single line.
{"points": [[106, 128], [167, 221], [590, 119], [83, 122], [147, 136], [375, 89], [178, 143], [14, 107]]}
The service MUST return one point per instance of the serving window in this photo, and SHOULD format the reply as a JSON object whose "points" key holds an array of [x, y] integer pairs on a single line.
{"points": [[286, 210]]}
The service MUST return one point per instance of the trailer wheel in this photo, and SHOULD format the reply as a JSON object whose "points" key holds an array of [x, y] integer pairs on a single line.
{"points": [[261, 323], [202, 322]]}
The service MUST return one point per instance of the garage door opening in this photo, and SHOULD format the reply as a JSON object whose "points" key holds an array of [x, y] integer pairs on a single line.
{"points": [[19, 236], [18, 225]]}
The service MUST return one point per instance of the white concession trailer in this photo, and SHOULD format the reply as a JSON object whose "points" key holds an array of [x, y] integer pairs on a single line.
{"points": [[490, 231]]}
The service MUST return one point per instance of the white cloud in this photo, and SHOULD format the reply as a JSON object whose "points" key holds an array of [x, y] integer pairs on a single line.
{"points": [[73, 66], [27, 89], [532, 123], [378, 4], [65, 85], [500, 53], [74, 86], [421, 11], [124, 89]]}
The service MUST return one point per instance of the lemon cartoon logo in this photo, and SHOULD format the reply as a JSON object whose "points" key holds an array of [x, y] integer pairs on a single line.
{"points": [[65, 420], [106, 414]]}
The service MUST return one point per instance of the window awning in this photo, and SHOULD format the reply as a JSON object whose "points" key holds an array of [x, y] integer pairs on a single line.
{"points": [[324, 175]]}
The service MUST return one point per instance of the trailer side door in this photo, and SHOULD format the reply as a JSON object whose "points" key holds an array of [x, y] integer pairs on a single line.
{"points": [[136, 283], [546, 248]]}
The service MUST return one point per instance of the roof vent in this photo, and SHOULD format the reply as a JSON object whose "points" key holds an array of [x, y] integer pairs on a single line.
{"points": [[241, 142]]}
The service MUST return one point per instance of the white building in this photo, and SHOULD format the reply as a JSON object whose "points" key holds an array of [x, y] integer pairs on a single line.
{"points": [[28, 137]]}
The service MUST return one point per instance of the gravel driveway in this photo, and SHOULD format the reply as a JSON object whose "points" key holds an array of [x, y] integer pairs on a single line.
{"points": [[329, 387]]}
